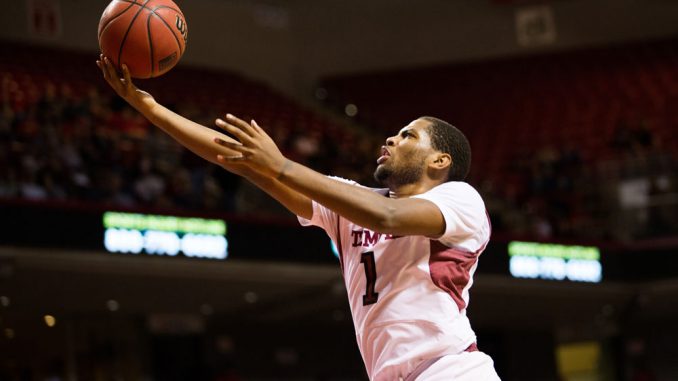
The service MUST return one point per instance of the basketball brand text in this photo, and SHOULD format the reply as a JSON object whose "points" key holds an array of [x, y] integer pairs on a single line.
{"points": [[181, 25]]}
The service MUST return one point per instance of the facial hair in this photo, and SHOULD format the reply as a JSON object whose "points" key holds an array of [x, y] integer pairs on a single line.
{"points": [[395, 176]]}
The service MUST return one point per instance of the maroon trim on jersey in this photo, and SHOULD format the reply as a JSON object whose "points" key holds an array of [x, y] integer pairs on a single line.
{"points": [[451, 267], [451, 270]]}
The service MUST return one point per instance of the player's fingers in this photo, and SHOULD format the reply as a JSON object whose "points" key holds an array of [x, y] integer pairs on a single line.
{"points": [[240, 123], [113, 72], [257, 128], [112, 75], [235, 131], [127, 76], [103, 66], [235, 146], [106, 64], [229, 159]]}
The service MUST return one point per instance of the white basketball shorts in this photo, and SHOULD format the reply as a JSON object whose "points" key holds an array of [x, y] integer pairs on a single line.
{"points": [[465, 366]]}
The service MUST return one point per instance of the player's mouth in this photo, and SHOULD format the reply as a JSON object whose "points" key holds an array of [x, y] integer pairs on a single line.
{"points": [[384, 155]]}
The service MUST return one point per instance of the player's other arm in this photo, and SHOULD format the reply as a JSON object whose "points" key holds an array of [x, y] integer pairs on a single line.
{"points": [[407, 216], [198, 138]]}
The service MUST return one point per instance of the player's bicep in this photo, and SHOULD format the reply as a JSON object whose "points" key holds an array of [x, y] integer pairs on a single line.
{"points": [[414, 216]]}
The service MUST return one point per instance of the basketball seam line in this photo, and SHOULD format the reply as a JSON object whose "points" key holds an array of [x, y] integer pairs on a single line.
{"points": [[150, 41], [170, 28], [171, 31], [103, 28], [122, 43], [153, 9]]}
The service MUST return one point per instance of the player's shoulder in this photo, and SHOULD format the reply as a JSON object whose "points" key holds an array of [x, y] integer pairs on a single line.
{"points": [[460, 198], [458, 190], [459, 186], [468, 223]]}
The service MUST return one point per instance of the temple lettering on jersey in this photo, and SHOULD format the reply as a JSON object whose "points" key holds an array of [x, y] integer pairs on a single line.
{"points": [[367, 238]]}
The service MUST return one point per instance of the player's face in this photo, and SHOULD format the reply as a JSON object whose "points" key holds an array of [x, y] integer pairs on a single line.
{"points": [[404, 157]]}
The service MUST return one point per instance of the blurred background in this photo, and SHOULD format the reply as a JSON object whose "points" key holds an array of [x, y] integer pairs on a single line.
{"points": [[125, 257]]}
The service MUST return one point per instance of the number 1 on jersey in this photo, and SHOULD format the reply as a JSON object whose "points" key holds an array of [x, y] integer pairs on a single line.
{"points": [[370, 297]]}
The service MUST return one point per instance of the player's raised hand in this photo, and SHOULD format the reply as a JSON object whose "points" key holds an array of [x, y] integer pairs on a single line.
{"points": [[257, 150], [124, 86]]}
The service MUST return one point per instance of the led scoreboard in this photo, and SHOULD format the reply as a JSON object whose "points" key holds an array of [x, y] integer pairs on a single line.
{"points": [[134, 233], [554, 261]]}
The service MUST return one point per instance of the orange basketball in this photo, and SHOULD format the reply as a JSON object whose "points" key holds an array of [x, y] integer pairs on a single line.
{"points": [[149, 36]]}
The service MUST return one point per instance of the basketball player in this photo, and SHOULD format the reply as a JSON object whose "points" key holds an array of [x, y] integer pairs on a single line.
{"points": [[408, 252]]}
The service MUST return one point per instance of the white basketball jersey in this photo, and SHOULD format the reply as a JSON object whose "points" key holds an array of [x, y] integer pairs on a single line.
{"points": [[408, 295]]}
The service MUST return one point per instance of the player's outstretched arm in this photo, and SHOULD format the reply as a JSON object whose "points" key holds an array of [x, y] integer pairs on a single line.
{"points": [[191, 135], [198, 138], [407, 216]]}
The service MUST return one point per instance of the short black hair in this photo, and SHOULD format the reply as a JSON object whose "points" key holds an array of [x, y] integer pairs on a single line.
{"points": [[448, 139]]}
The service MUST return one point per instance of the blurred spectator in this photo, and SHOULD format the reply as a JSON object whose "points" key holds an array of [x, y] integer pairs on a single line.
{"points": [[150, 185]]}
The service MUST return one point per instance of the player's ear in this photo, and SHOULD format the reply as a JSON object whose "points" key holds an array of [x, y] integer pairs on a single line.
{"points": [[441, 161]]}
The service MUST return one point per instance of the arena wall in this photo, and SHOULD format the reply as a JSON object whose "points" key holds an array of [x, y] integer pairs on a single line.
{"points": [[291, 44]]}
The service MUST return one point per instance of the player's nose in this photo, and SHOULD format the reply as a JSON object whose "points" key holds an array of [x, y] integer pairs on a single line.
{"points": [[390, 141]]}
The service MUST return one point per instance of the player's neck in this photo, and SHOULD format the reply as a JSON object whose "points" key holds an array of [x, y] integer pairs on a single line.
{"points": [[409, 190]]}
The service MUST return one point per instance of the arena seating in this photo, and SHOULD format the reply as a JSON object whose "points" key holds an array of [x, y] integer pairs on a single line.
{"points": [[32, 68], [510, 107], [55, 101]]}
